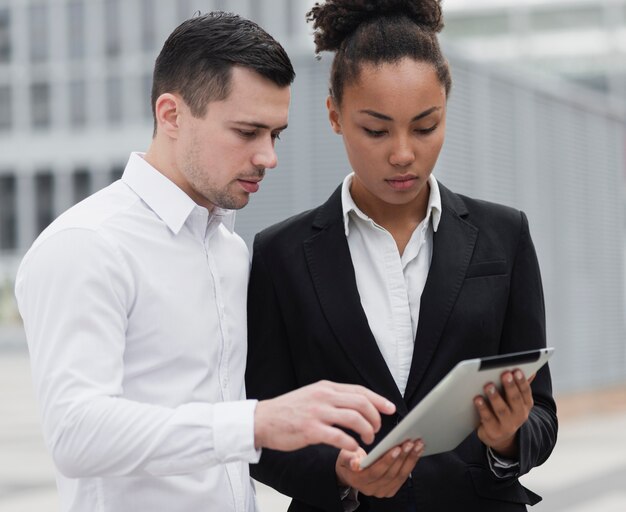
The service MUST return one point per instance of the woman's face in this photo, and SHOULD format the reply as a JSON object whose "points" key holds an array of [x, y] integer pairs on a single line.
{"points": [[392, 121]]}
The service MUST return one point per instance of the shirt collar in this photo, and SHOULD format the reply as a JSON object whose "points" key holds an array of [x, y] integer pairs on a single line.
{"points": [[433, 210], [166, 199]]}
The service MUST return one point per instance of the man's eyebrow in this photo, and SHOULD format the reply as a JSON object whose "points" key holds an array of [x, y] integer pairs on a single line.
{"points": [[385, 117], [262, 126]]}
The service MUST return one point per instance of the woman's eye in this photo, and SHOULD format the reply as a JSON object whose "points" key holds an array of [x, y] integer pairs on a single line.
{"points": [[426, 130], [374, 133], [247, 134]]}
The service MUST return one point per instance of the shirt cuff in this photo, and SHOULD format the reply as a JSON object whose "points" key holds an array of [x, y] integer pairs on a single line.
{"points": [[502, 467], [349, 499], [233, 431]]}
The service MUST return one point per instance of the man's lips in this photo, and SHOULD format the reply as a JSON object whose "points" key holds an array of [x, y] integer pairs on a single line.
{"points": [[251, 185]]}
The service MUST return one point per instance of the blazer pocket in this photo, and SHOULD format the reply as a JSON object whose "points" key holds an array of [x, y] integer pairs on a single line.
{"points": [[488, 486], [487, 268]]}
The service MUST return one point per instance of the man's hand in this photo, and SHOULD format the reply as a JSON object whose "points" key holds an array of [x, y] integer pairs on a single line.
{"points": [[312, 415], [383, 478], [503, 414]]}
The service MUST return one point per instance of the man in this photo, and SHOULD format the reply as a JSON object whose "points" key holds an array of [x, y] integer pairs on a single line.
{"points": [[134, 300]]}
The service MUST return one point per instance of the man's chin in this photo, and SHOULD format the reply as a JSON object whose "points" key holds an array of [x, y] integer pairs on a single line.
{"points": [[234, 204]]}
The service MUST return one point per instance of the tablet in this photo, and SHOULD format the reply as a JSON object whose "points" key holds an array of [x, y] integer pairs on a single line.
{"points": [[447, 415]]}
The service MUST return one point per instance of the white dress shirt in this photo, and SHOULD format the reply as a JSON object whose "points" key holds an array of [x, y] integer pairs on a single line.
{"points": [[134, 309], [391, 285]]}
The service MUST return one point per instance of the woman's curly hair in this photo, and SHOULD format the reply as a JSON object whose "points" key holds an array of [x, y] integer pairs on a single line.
{"points": [[334, 20], [377, 31]]}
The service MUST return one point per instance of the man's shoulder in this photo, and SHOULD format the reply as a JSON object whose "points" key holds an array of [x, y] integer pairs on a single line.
{"points": [[94, 212]]}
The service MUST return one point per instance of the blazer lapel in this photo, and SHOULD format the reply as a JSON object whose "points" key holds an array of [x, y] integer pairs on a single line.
{"points": [[328, 258], [453, 245]]}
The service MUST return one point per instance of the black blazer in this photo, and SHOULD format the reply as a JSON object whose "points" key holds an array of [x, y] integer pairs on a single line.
{"points": [[483, 296]]}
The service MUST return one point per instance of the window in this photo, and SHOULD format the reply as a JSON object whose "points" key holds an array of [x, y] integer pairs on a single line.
{"points": [[78, 103], [44, 194], [40, 105], [146, 96], [255, 11], [114, 99], [112, 32], [291, 17], [38, 32], [8, 217], [148, 25], [185, 10], [5, 35], [116, 172], [81, 184], [75, 29], [594, 81], [6, 110]]}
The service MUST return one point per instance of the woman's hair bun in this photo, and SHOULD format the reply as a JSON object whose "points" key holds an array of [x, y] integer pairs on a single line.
{"points": [[334, 20]]}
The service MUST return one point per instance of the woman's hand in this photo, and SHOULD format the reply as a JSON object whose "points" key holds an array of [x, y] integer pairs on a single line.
{"points": [[383, 478], [501, 415]]}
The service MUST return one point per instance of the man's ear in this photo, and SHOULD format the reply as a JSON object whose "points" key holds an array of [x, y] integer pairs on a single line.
{"points": [[333, 115], [167, 110]]}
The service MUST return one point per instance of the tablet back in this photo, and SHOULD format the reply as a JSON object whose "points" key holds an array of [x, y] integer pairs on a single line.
{"points": [[447, 415]]}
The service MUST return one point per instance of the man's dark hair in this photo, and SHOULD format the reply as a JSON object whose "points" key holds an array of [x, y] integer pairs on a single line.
{"points": [[197, 59]]}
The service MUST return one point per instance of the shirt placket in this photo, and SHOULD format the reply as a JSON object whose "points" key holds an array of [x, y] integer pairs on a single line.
{"points": [[412, 266], [232, 469], [400, 313]]}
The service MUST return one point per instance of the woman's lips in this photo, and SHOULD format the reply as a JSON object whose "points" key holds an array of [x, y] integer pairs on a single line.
{"points": [[402, 182]]}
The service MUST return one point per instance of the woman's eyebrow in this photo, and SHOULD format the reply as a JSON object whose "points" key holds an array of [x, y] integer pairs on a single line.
{"points": [[385, 117]]}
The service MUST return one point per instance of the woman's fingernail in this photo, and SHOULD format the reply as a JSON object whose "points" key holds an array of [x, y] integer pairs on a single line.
{"points": [[408, 447], [519, 375], [395, 453]]}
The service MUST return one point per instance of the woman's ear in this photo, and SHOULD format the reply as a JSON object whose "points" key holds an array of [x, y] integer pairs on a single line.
{"points": [[167, 112], [333, 115]]}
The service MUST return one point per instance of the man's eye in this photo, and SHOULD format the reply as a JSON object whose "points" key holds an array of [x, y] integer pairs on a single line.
{"points": [[247, 134], [275, 136]]}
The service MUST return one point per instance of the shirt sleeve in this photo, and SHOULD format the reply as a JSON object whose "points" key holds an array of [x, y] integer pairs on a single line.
{"points": [[75, 294]]}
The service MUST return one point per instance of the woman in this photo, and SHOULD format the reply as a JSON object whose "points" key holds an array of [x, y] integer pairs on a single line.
{"points": [[394, 280]]}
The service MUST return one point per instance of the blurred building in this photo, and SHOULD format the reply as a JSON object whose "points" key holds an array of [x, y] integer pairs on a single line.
{"points": [[75, 77], [581, 40]]}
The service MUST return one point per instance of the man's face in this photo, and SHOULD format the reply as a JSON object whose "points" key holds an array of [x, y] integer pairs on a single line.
{"points": [[222, 157]]}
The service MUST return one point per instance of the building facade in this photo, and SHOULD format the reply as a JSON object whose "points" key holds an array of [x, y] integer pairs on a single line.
{"points": [[581, 40], [75, 77]]}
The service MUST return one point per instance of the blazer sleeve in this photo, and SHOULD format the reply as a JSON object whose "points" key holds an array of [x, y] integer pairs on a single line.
{"points": [[307, 475], [524, 329]]}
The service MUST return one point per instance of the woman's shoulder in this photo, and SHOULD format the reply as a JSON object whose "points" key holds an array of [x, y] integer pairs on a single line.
{"points": [[301, 226], [288, 229], [481, 212]]}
